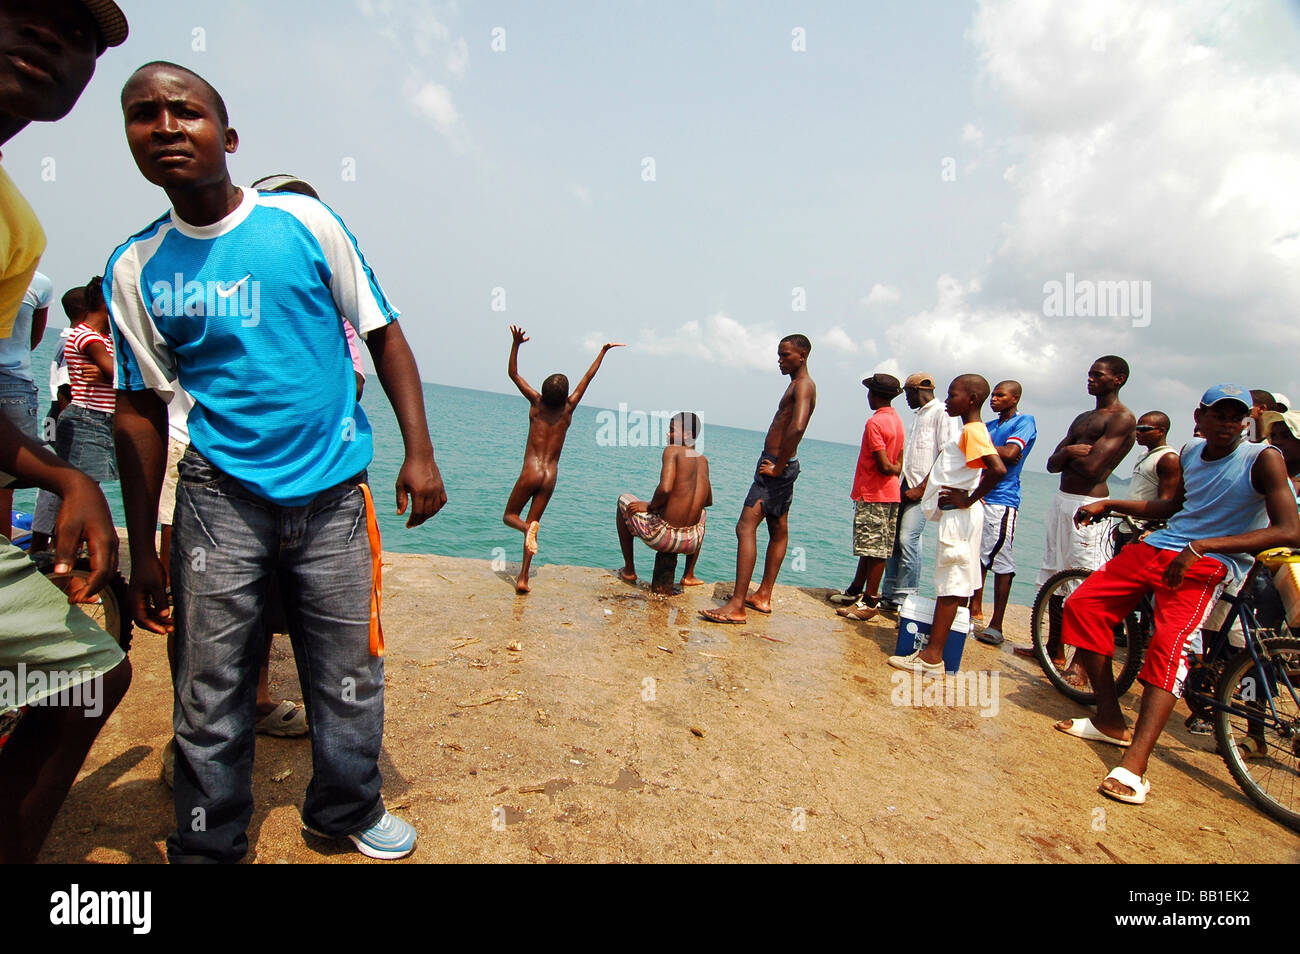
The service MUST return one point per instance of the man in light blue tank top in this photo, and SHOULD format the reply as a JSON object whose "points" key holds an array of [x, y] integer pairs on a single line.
{"points": [[1233, 500]]}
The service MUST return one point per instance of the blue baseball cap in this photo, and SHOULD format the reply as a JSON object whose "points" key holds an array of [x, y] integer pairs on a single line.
{"points": [[1226, 392]]}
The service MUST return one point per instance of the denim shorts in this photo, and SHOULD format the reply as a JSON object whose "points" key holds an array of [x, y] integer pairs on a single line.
{"points": [[18, 403]]}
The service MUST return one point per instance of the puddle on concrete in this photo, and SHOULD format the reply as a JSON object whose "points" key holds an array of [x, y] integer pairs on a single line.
{"points": [[627, 781], [555, 786]]}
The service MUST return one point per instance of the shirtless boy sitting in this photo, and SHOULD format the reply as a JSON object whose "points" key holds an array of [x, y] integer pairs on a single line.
{"points": [[672, 521], [549, 417]]}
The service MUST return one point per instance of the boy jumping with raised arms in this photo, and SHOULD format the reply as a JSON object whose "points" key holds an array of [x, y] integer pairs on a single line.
{"points": [[549, 416]]}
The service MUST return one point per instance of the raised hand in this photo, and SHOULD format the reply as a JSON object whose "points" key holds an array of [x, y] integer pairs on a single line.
{"points": [[521, 336]]}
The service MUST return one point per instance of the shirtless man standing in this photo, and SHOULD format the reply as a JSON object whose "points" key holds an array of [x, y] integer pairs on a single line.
{"points": [[672, 521], [773, 488], [549, 417], [1096, 442]]}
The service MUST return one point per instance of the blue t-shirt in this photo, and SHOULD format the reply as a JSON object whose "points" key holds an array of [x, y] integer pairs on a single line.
{"points": [[1220, 500], [1018, 429], [246, 315], [16, 350]]}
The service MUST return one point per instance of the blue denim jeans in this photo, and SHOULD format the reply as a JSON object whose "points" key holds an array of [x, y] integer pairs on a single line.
{"points": [[227, 544], [84, 438], [903, 571], [18, 403]]}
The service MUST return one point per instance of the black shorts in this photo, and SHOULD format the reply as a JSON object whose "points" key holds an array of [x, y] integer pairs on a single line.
{"points": [[775, 493]]}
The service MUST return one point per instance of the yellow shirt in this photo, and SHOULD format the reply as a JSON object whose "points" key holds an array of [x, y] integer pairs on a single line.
{"points": [[976, 444], [22, 241]]}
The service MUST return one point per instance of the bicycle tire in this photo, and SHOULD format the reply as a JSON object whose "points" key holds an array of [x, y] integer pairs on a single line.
{"points": [[1128, 657], [110, 609], [1270, 780]]}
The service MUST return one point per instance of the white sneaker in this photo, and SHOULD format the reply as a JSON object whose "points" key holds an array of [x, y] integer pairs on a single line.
{"points": [[914, 663]]}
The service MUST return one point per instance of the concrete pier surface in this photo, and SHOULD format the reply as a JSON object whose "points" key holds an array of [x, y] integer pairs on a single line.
{"points": [[591, 722]]}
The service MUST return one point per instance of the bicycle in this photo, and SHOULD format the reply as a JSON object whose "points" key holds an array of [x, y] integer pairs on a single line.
{"points": [[1252, 690], [1131, 637], [1254, 693]]}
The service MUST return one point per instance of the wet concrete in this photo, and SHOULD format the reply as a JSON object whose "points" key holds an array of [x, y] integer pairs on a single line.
{"points": [[589, 721]]}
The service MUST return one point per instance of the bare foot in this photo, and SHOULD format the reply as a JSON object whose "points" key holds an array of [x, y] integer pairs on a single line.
{"points": [[521, 586], [530, 539], [626, 575], [1074, 676], [692, 580]]}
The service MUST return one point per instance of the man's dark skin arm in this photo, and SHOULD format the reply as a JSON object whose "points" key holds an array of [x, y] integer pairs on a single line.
{"points": [[140, 437], [1066, 451], [1169, 473], [1105, 452], [512, 368], [83, 516], [98, 353], [39, 318], [400, 378], [667, 478], [885, 466], [581, 389], [803, 408]]}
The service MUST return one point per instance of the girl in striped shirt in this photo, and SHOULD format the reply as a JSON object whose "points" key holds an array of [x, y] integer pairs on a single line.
{"points": [[84, 436]]}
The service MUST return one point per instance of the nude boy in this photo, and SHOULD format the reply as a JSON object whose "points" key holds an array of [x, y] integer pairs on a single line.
{"points": [[773, 489], [672, 521], [549, 415]]}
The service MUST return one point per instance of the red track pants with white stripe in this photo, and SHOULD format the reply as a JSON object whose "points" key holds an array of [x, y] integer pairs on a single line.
{"points": [[1110, 594]]}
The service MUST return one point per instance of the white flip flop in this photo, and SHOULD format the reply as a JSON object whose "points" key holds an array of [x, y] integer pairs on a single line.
{"points": [[1084, 729], [1139, 785]]}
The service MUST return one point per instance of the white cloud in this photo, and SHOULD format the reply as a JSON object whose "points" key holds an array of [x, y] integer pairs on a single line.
{"points": [[434, 102], [419, 32], [581, 193], [882, 294], [837, 339], [1154, 140], [718, 339]]}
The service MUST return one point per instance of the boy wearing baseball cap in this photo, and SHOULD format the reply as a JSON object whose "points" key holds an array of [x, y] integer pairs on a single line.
{"points": [[875, 496], [1234, 500]]}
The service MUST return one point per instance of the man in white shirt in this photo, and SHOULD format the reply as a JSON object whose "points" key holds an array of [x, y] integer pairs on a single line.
{"points": [[931, 429]]}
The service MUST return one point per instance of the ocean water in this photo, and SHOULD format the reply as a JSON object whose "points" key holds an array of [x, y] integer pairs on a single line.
{"points": [[479, 441]]}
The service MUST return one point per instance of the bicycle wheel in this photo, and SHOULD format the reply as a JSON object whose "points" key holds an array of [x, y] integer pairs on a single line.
{"points": [[1263, 754], [109, 609], [1056, 658]]}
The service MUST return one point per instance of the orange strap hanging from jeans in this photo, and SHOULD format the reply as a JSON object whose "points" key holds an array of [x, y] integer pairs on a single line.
{"points": [[376, 574]]}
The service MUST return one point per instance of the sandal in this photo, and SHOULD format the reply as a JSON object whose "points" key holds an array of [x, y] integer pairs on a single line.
{"points": [[287, 720]]}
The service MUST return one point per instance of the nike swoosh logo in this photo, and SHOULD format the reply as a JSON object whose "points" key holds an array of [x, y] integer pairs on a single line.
{"points": [[227, 292]]}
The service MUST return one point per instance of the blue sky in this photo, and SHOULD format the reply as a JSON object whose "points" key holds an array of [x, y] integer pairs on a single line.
{"points": [[1141, 141]]}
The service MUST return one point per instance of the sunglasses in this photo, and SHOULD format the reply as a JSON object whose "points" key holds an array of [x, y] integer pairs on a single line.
{"points": [[1148, 427]]}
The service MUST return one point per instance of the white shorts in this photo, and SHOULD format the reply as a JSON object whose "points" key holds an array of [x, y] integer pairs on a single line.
{"points": [[1069, 547], [999, 536], [957, 568]]}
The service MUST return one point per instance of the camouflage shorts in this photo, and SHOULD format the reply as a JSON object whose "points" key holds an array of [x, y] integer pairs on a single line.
{"points": [[874, 527]]}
